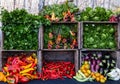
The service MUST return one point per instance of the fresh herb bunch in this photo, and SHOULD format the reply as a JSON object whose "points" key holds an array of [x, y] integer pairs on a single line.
{"points": [[20, 29], [96, 14], [99, 36], [60, 36], [59, 9]]}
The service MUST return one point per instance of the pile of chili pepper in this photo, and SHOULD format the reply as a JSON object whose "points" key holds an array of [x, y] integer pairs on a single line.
{"points": [[59, 69], [20, 68]]}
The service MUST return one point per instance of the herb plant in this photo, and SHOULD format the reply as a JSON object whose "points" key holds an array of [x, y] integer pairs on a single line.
{"points": [[20, 30]]}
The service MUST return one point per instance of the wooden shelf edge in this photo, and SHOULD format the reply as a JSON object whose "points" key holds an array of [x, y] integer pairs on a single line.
{"points": [[59, 49], [61, 22], [85, 49], [19, 50], [103, 22]]}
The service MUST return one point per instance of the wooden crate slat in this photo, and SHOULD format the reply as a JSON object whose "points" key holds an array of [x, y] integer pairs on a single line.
{"points": [[100, 22], [87, 49], [118, 35], [39, 65], [64, 22], [59, 50], [118, 59], [42, 37], [0, 60], [79, 36]]}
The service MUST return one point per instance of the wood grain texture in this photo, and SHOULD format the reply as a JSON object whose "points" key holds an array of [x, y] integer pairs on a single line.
{"points": [[34, 6]]}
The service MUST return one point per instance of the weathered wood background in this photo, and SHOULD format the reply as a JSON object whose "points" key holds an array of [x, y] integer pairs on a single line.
{"points": [[34, 6]]}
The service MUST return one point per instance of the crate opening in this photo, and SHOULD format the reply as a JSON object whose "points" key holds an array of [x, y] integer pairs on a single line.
{"points": [[19, 64], [100, 36], [60, 36], [7, 54], [62, 62]]}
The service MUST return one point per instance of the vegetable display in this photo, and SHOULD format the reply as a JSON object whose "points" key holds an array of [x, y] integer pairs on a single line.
{"points": [[20, 69], [101, 62], [99, 36], [20, 29], [59, 12], [85, 74], [58, 69], [60, 36]]}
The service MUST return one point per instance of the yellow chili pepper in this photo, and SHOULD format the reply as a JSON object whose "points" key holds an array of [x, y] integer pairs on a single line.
{"points": [[35, 61], [30, 58], [29, 76], [26, 70], [2, 77], [27, 66], [6, 69]]}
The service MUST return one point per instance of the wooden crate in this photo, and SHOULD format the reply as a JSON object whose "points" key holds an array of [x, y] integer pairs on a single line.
{"points": [[8, 53], [59, 55], [112, 53], [42, 29], [117, 35]]}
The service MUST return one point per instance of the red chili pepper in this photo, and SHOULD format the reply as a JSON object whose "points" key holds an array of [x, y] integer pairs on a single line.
{"points": [[13, 68], [16, 78], [54, 70], [24, 79], [9, 60]]}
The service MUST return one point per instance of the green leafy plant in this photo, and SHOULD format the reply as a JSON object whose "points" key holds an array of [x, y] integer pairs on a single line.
{"points": [[20, 29], [99, 36], [58, 9], [96, 14]]}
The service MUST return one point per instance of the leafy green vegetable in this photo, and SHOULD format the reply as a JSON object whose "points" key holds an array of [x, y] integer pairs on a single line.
{"points": [[99, 36], [20, 29], [96, 14]]}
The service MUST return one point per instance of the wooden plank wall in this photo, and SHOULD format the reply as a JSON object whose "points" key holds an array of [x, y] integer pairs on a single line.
{"points": [[109, 4], [33, 6]]}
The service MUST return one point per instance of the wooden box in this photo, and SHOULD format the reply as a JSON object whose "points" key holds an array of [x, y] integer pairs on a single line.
{"points": [[10, 53], [59, 55], [42, 34], [91, 41], [113, 54]]}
